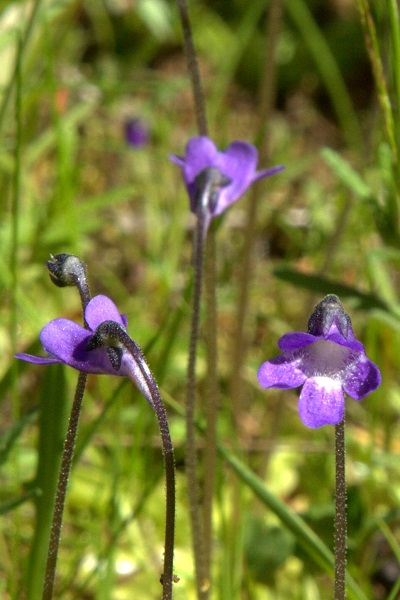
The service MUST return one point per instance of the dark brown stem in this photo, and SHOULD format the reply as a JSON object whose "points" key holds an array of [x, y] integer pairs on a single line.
{"points": [[340, 513], [79, 278], [191, 450], [110, 329], [210, 450], [201, 531], [68, 452], [193, 67]]}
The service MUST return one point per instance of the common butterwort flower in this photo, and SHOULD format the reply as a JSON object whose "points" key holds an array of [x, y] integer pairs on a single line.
{"points": [[136, 132], [326, 361], [215, 180], [67, 342]]}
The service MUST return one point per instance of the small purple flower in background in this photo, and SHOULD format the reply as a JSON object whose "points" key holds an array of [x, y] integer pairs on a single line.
{"points": [[326, 361], [69, 343], [136, 133], [223, 176]]}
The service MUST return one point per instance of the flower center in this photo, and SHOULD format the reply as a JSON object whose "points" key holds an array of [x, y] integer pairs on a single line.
{"points": [[326, 359], [209, 183]]}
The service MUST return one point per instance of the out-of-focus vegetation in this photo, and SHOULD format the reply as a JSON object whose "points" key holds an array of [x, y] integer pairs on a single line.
{"points": [[72, 74]]}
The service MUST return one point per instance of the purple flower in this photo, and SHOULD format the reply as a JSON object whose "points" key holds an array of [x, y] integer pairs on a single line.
{"points": [[67, 342], [326, 361], [236, 166], [136, 133]]}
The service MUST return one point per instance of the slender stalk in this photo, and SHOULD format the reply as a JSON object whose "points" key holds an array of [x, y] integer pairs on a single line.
{"points": [[112, 330], [61, 492], [201, 532], [340, 513], [210, 450], [73, 274], [53, 419], [191, 451], [193, 67]]}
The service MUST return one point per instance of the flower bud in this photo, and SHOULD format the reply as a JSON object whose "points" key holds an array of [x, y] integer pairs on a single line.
{"points": [[66, 269], [326, 312]]}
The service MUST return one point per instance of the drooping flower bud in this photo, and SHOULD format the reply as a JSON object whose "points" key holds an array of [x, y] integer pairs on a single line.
{"points": [[68, 270]]}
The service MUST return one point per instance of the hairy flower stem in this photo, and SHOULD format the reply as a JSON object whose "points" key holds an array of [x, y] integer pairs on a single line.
{"points": [[340, 513], [201, 532], [202, 583], [210, 450], [78, 278], [67, 455], [112, 330], [193, 67]]}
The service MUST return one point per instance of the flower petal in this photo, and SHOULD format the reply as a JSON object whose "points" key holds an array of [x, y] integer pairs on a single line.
{"points": [[350, 342], [268, 172], [67, 341], [201, 152], [177, 160], [362, 378], [37, 360], [239, 163], [321, 402], [281, 372], [129, 368], [101, 309], [297, 339]]}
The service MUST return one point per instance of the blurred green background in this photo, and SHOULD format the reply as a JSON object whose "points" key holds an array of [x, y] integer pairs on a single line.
{"points": [[72, 74]]}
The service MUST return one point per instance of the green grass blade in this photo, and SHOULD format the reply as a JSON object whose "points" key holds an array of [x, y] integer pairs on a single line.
{"points": [[25, 40], [371, 40], [393, 12], [11, 504], [346, 174], [52, 428], [328, 70], [11, 435], [323, 285]]}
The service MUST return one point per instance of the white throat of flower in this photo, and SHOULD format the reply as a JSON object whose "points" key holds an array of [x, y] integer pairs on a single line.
{"points": [[327, 359]]}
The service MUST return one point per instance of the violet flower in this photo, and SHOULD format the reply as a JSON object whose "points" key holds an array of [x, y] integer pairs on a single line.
{"points": [[136, 133], [326, 361], [236, 166], [67, 342]]}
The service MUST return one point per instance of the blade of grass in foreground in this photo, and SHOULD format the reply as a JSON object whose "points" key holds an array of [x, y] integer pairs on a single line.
{"points": [[26, 36], [393, 13], [320, 284], [394, 545], [372, 44], [52, 426], [328, 70]]}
